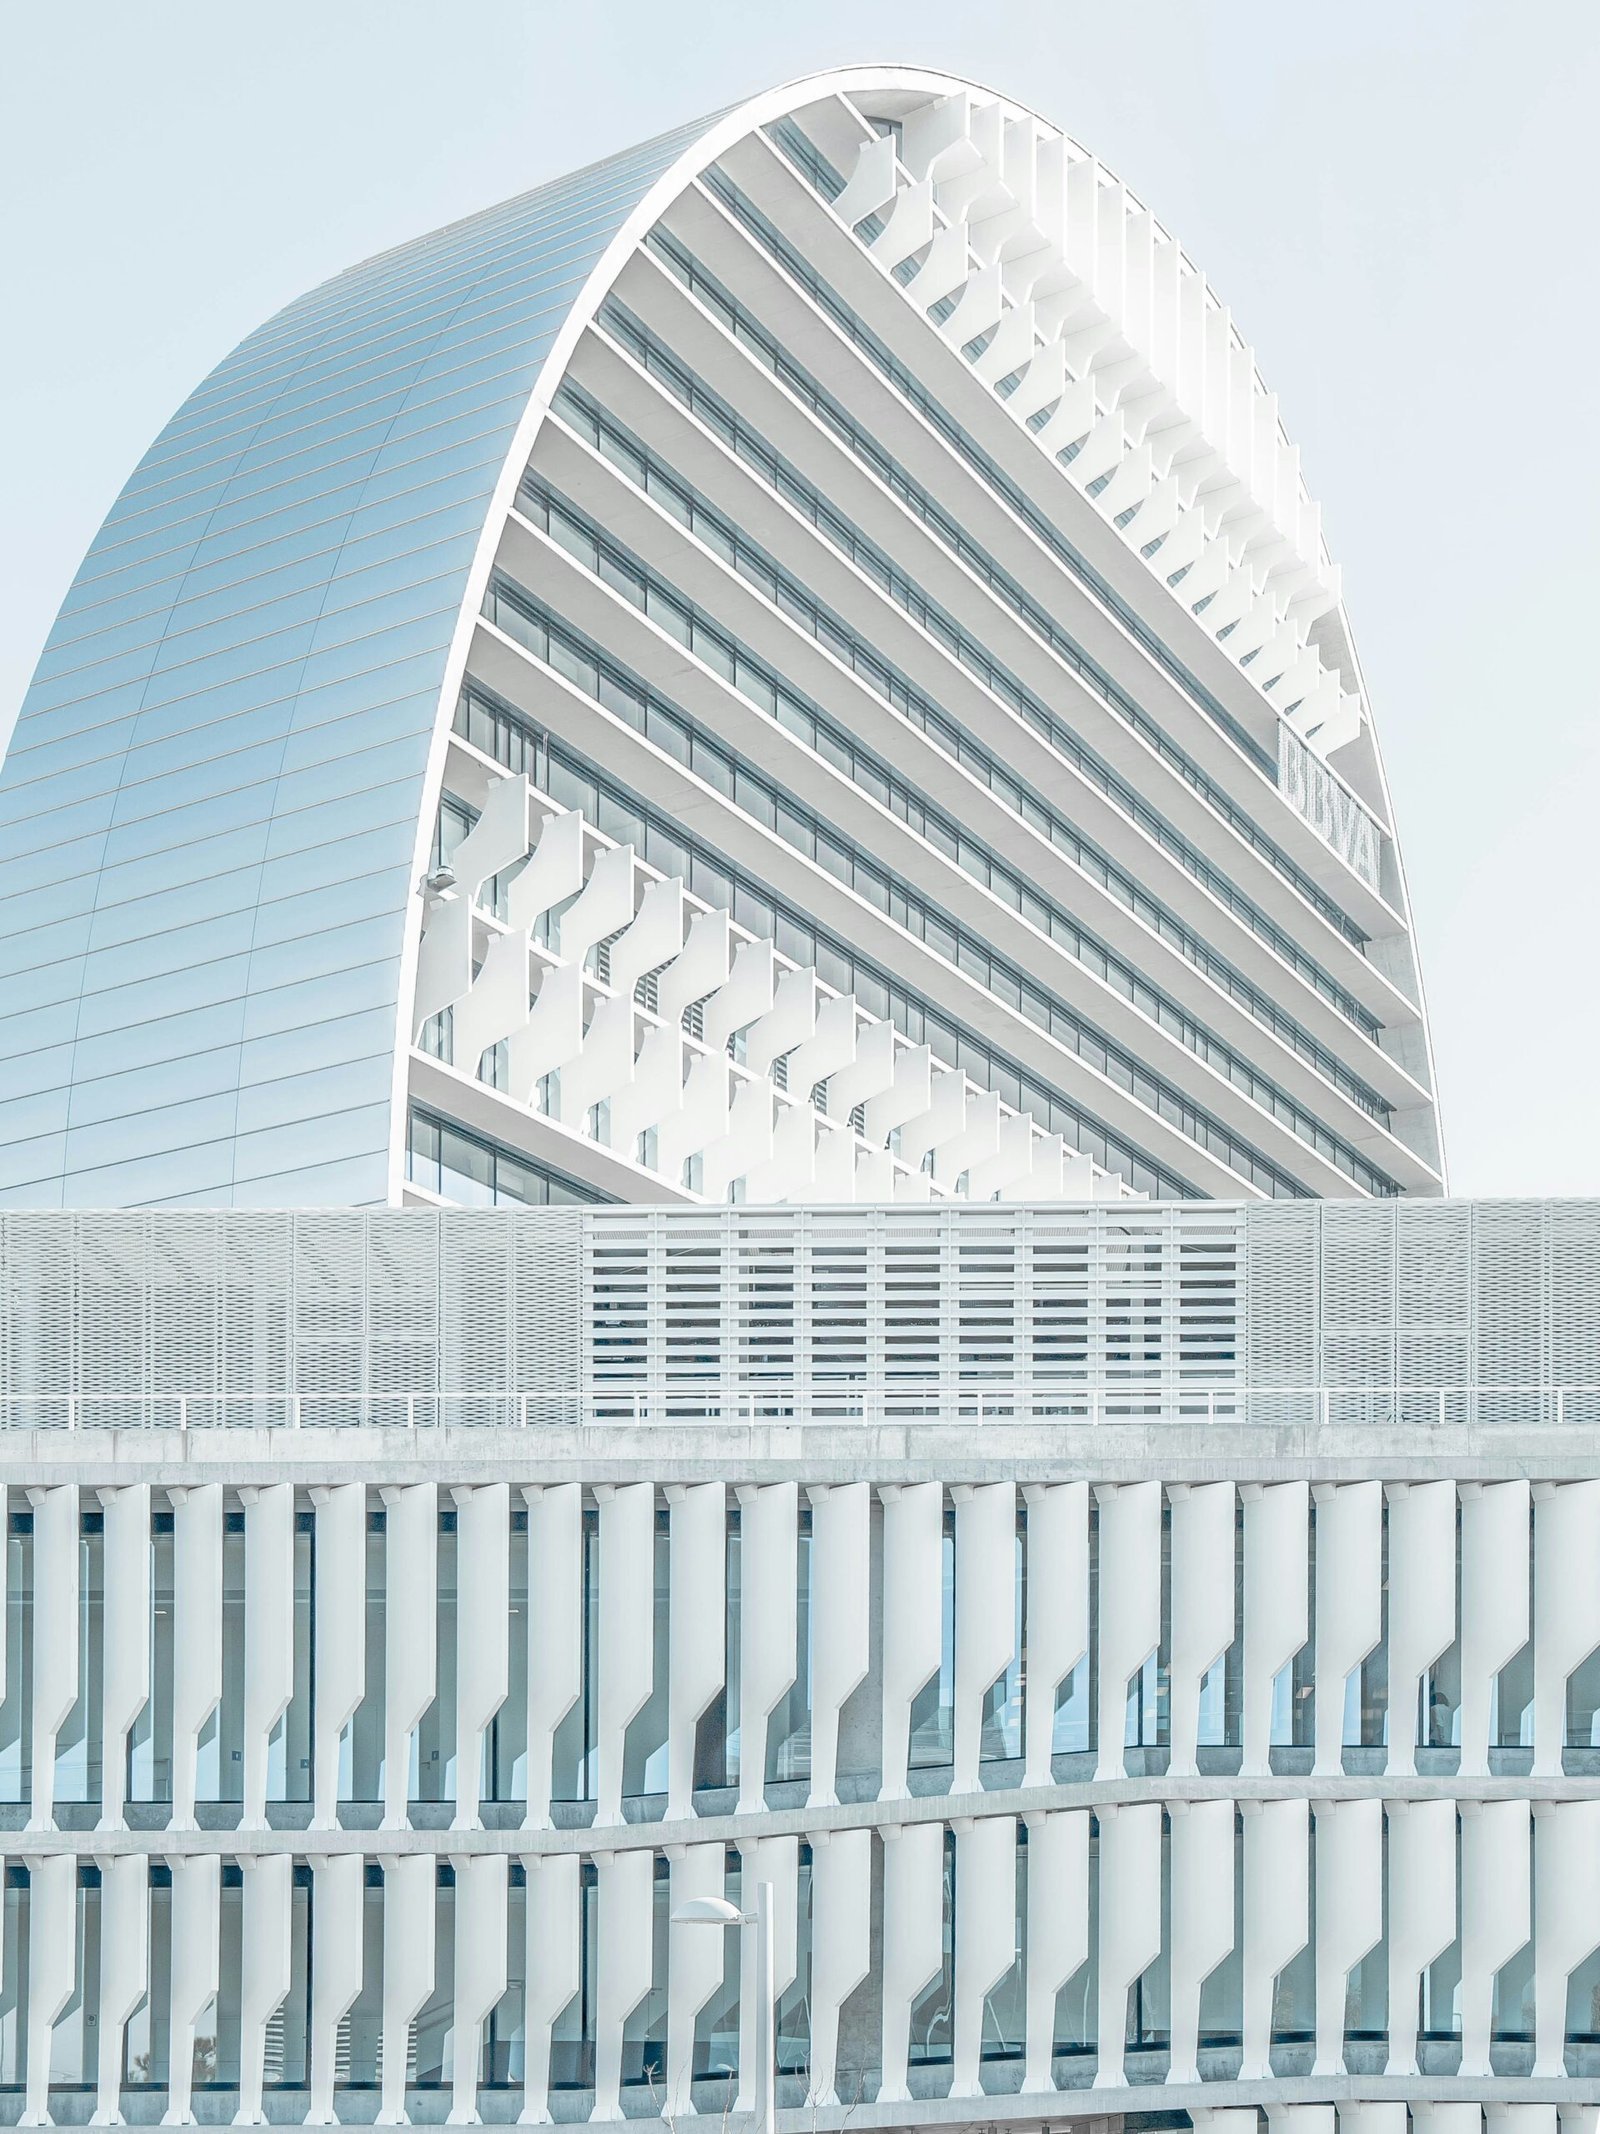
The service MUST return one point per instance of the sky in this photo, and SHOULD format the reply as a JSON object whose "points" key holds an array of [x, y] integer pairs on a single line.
{"points": [[1395, 197]]}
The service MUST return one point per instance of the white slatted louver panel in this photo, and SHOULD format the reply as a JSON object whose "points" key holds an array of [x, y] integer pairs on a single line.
{"points": [[330, 1285], [762, 1288], [476, 1316], [1063, 1247], [1433, 1306], [402, 1327], [948, 1372], [547, 1271], [804, 1230], [1026, 1300], [1574, 1234], [985, 1268], [1209, 1268], [1358, 1361], [1133, 1314], [112, 1305], [185, 1318], [1283, 1326], [255, 1258], [899, 1291], [1510, 1351], [619, 1321], [39, 1320], [692, 1276]]}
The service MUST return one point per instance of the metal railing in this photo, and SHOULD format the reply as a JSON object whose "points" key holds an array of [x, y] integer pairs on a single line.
{"points": [[823, 1403]]}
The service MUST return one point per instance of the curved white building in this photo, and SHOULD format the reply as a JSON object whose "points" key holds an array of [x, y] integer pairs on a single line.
{"points": [[849, 542], [788, 683]]}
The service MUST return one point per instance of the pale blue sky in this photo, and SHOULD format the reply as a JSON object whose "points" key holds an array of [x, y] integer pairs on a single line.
{"points": [[1395, 196]]}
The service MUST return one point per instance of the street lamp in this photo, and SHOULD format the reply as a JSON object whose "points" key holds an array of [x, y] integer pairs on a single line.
{"points": [[718, 1912]]}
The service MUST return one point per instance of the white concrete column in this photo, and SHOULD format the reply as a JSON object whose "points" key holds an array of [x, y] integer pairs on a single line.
{"points": [[986, 1613], [1566, 1606], [555, 1630], [985, 1926], [913, 1530], [1349, 1603], [627, 1629], [774, 1860], [554, 1967], [1276, 1917], [336, 1966], [1349, 1862], [625, 1965], [697, 1650], [1130, 1607], [768, 1629], [1202, 1923], [125, 1644], [841, 1944], [695, 1960], [1566, 1917], [55, 1636], [410, 1895], [1203, 1591], [1056, 1611], [268, 1633], [1495, 1604], [339, 1636], [1245, 2119], [1277, 1609], [483, 1633], [1422, 1912], [1443, 2116], [841, 1544], [1058, 1930], [913, 1939], [480, 1970], [1373, 2115], [410, 1635], [52, 1967], [1496, 1914], [196, 1640], [124, 1969], [1422, 1603], [196, 1927], [1130, 1924], [265, 1969]]}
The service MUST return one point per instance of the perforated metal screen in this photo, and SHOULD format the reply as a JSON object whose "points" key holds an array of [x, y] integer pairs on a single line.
{"points": [[1425, 1310]]}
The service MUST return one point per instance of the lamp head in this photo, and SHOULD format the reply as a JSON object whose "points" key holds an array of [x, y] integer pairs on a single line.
{"points": [[707, 1911]]}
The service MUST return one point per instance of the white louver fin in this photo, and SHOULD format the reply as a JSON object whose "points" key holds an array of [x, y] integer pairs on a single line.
{"points": [[1066, 256]]}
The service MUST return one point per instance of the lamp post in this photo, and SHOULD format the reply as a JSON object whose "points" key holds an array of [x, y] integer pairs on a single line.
{"points": [[718, 1912]]}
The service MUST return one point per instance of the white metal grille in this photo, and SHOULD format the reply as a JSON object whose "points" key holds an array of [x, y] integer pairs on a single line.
{"points": [[1405, 1312], [853, 1311]]}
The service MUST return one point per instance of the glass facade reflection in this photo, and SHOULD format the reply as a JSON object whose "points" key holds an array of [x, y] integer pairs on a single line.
{"points": [[209, 810]]}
